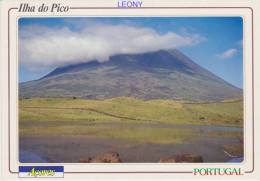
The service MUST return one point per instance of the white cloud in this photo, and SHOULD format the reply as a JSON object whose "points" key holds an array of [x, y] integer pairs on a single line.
{"points": [[239, 44], [228, 53], [41, 46]]}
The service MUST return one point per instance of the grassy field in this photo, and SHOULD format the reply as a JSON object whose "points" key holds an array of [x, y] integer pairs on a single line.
{"points": [[58, 116]]}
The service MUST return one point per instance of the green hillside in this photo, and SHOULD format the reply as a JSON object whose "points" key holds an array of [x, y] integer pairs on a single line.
{"points": [[125, 109]]}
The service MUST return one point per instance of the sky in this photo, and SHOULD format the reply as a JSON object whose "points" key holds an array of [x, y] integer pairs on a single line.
{"points": [[214, 43]]}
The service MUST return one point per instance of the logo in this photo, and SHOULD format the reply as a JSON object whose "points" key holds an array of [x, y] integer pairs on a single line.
{"points": [[217, 171], [41, 171]]}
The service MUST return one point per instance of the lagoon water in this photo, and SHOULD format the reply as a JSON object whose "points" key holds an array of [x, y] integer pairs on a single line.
{"points": [[70, 148], [30, 157], [180, 126], [236, 160]]}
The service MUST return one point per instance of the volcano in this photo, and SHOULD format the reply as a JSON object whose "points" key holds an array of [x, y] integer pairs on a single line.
{"points": [[163, 74]]}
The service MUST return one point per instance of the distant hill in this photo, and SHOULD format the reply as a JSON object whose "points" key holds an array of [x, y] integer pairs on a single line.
{"points": [[163, 74]]}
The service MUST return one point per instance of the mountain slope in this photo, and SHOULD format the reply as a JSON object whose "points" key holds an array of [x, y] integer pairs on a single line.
{"points": [[153, 75]]}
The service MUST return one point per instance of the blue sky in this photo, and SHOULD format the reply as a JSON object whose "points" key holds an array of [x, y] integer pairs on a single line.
{"points": [[215, 43]]}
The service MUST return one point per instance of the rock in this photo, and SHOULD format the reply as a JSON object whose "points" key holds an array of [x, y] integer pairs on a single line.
{"points": [[110, 157], [236, 150], [186, 158]]}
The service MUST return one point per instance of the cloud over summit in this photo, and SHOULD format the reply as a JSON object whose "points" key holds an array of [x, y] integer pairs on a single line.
{"points": [[41, 46]]}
